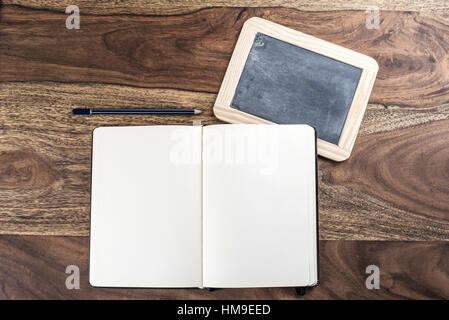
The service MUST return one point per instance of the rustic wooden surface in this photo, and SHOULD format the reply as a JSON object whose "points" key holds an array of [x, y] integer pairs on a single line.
{"points": [[167, 7], [395, 186], [31, 272], [191, 51]]}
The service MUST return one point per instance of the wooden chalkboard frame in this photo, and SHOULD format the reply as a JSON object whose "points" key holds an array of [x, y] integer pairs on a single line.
{"points": [[224, 111]]}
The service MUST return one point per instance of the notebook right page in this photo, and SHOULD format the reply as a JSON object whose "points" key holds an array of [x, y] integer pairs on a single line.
{"points": [[259, 206]]}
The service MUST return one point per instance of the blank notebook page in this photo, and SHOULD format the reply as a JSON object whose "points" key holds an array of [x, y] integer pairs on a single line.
{"points": [[259, 206], [146, 207]]}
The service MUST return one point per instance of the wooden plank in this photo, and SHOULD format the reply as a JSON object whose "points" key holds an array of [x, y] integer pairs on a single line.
{"points": [[45, 151], [394, 186], [192, 51], [33, 267], [393, 183], [142, 7]]}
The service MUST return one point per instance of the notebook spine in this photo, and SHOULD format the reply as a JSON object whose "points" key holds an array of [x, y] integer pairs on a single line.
{"points": [[317, 213]]}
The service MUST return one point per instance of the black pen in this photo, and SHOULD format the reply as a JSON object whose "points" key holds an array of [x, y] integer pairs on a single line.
{"points": [[135, 111]]}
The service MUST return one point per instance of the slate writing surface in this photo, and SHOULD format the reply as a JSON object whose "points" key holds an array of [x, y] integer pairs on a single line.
{"points": [[287, 84]]}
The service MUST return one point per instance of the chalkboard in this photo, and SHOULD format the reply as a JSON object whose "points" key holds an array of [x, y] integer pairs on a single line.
{"points": [[281, 75], [287, 84]]}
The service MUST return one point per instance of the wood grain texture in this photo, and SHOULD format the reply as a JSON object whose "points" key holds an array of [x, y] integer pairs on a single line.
{"points": [[146, 7], [394, 186], [391, 179], [191, 51], [33, 267], [45, 152]]}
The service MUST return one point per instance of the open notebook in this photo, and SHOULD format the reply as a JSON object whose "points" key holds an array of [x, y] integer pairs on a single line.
{"points": [[215, 206]]}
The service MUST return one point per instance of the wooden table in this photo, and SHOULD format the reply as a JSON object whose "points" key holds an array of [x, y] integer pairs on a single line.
{"points": [[388, 205]]}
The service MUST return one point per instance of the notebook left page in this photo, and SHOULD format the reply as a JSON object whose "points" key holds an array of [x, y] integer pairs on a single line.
{"points": [[146, 207]]}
